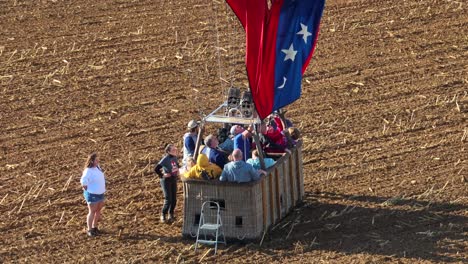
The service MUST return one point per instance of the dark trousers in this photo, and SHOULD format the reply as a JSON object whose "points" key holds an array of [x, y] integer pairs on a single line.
{"points": [[169, 188]]}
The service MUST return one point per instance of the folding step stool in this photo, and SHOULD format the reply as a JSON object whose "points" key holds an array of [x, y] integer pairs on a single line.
{"points": [[213, 228]]}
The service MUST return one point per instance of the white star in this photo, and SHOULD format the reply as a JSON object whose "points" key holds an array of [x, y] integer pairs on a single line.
{"points": [[304, 33], [290, 53]]}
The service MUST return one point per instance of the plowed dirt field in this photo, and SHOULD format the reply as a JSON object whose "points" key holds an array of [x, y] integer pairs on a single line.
{"points": [[383, 113]]}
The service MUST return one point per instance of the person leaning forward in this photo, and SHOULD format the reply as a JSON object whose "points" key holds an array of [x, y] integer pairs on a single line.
{"points": [[203, 169], [168, 172], [211, 151], [239, 171]]}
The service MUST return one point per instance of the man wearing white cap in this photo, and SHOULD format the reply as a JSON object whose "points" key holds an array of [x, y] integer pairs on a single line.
{"points": [[190, 139]]}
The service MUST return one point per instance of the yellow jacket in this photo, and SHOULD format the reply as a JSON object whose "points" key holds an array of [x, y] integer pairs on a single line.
{"points": [[213, 170]]}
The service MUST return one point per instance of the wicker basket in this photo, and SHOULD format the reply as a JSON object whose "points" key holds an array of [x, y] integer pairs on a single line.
{"points": [[248, 209]]}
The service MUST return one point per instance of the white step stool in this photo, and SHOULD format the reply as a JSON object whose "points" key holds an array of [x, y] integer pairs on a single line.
{"points": [[210, 228]]}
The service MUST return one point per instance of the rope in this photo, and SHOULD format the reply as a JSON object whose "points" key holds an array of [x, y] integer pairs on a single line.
{"points": [[217, 40], [192, 235], [240, 237], [230, 33], [195, 94]]}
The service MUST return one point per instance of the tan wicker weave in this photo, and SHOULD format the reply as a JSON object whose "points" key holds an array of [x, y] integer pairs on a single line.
{"points": [[248, 209]]}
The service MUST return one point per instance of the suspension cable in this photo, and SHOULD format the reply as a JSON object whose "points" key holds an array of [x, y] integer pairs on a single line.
{"points": [[218, 47], [230, 33]]}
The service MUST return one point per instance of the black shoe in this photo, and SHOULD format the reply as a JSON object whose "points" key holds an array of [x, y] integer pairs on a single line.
{"points": [[172, 218], [91, 233], [96, 231]]}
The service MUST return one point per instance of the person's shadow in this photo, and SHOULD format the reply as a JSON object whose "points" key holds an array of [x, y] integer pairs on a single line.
{"points": [[392, 227]]}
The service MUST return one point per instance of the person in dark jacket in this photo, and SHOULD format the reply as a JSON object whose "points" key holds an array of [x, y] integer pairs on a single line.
{"points": [[212, 152], [168, 172]]}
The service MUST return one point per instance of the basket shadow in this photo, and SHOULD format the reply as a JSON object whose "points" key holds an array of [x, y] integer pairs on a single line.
{"points": [[386, 226]]}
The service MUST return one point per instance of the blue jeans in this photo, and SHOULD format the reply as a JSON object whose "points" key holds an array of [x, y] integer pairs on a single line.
{"points": [[169, 188]]}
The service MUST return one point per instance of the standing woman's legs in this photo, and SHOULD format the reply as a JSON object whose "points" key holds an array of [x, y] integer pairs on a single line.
{"points": [[97, 215], [91, 214], [166, 192], [173, 196]]}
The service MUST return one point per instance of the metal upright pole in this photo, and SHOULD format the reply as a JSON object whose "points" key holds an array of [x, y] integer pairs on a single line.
{"points": [[259, 147], [201, 129]]}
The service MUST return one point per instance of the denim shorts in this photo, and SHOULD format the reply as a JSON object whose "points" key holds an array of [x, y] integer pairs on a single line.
{"points": [[93, 198]]}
